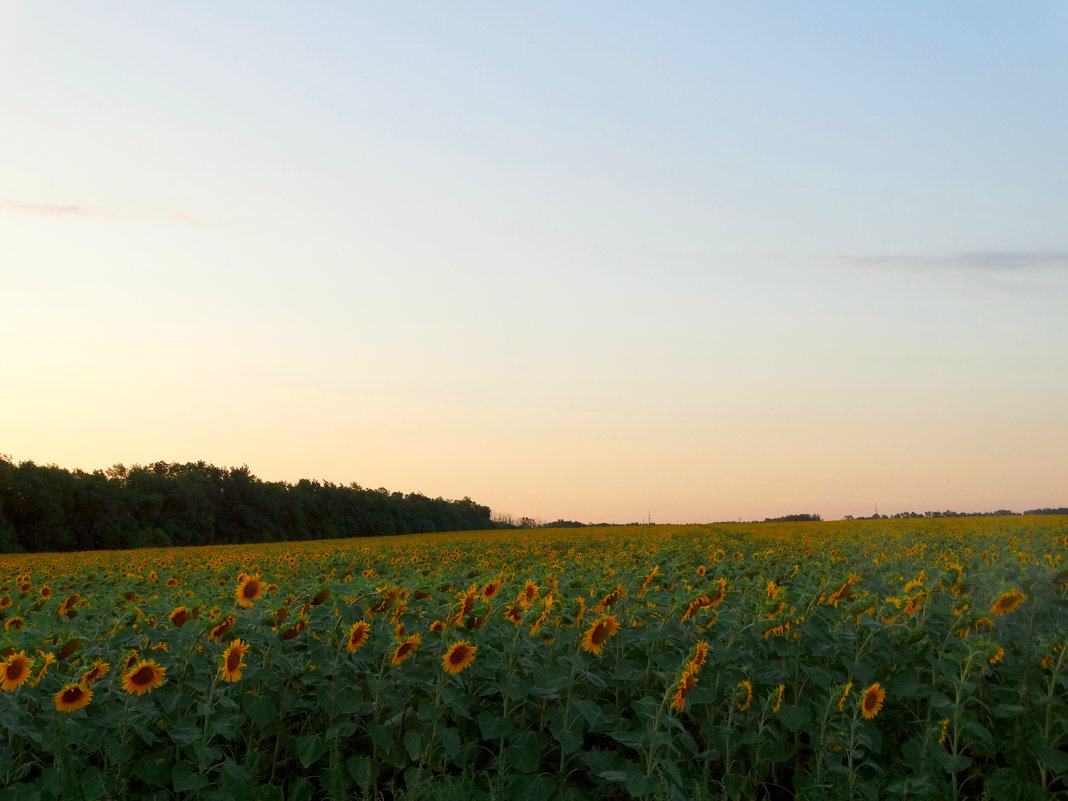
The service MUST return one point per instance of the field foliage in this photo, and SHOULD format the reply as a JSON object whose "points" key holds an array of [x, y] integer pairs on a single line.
{"points": [[862, 659]]}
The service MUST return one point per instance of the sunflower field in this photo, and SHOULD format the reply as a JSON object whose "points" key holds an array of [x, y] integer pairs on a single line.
{"points": [[920, 659]]}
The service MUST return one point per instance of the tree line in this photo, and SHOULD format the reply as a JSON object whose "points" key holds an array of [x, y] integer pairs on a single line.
{"points": [[49, 508]]}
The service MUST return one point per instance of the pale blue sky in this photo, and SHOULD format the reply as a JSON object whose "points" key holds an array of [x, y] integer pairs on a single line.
{"points": [[584, 260]]}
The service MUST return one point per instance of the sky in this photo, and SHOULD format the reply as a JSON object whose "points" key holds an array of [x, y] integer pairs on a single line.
{"points": [[594, 261]]}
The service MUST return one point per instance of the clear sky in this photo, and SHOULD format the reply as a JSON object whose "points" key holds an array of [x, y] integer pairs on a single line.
{"points": [[704, 261]]}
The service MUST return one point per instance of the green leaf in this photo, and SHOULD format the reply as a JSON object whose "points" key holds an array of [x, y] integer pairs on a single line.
{"points": [[524, 760], [1055, 760], [153, 771], [359, 769], [733, 785], [261, 709], [309, 748], [185, 732], [118, 752], [185, 780], [381, 736], [413, 744], [638, 783], [570, 739], [493, 727], [94, 783], [450, 741], [299, 790], [538, 788], [950, 763], [795, 718]]}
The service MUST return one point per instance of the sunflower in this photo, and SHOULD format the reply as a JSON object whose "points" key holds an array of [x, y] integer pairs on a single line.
{"points": [[845, 695], [358, 635], [15, 670], [999, 654], [16, 623], [49, 659], [131, 660], [1007, 602], [233, 660], [405, 649], [514, 613], [748, 688], [295, 629], [700, 570], [490, 590], [97, 671], [778, 699], [73, 696], [143, 677], [872, 701], [458, 657], [179, 617], [700, 654], [46, 591], [248, 590], [597, 634], [218, 631], [685, 686], [649, 579]]}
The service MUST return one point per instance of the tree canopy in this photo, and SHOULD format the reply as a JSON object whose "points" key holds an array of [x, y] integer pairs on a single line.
{"points": [[49, 508]]}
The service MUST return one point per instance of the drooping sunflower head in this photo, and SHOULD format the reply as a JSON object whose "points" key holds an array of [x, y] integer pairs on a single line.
{"points": [[406, 649], [747, 697], [15, 670], [700, 654], [845, 695], [458, 657], [143, 677], [597, 634], [16, 623], [179, 617], [514, 613], [1007, 602], [249, 589], [872, 701], [490, 590], [233, 660], [220, 629], [73, 696], [358, 635], [685, 686], [96, 672]]}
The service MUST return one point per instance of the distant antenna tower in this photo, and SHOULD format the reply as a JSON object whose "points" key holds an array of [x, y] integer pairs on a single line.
{"points": [[876, 508]]}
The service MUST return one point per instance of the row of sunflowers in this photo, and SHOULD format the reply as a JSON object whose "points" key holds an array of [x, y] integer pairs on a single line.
{"points": [[862, 659]]}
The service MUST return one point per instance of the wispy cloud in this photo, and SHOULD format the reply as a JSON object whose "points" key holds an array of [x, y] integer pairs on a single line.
{"points": [[46, 211], [978, 261], [55, 211]]}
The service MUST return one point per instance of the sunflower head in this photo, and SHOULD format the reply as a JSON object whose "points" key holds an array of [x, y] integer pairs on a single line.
{"points": [[143, 677], [747, 697], [872, 701], [179, 617], [96, 672], [73, 696], [249, 589], [1007, 602], [233, 660], [597, 634], [685, 686], [406, 648], [358, 635], [15, 670], [458, 657]]}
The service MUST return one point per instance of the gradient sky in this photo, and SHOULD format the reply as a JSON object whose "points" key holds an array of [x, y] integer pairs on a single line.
{"points": [[584, 260]]}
